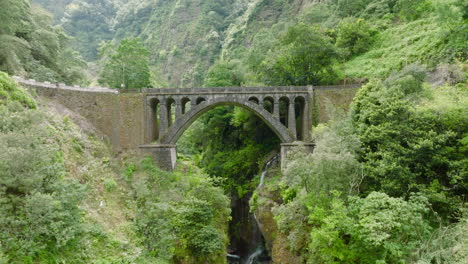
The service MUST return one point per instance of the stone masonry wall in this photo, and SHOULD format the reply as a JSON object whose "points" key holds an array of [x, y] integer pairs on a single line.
{"points": [[328, 100], [120, 117]]}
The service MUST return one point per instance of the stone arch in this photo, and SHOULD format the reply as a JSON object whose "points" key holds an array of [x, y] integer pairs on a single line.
{"points": [[180, 125], [283, 104], [299, 105], [269, 103], [153, 119], [254, 99], [184, 102], [170, 104], [199, 100]]}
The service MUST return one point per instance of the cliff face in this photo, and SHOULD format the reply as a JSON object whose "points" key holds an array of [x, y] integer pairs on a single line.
{"points": [[264, 200], [185, 37]]}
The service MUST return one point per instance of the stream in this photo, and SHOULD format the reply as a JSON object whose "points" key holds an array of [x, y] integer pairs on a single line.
{"points": [[257, 254]]}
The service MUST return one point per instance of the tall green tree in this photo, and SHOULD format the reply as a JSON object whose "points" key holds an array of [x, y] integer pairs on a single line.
{"points": [[127, 66], [303, 56], [412, 149], [224, 74]]}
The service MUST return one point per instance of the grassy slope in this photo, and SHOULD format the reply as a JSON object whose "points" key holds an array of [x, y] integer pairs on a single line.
{"points": [[114, 188], [108, 206], [396, 47]]}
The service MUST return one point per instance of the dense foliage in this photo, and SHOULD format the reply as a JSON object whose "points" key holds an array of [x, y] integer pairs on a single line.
{"points": [[30, 46], [63, 199], [384, 180], [39, 207], [386, 183], [186, 221], [125, 66]]}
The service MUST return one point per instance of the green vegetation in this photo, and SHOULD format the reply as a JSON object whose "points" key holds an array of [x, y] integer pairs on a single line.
{"points": [[126, 66], [303, 56], [386, 183], [30, 46], [186, 221], [385, 180], [66, 199]]}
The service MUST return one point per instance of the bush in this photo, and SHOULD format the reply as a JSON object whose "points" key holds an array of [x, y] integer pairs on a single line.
{"points": [[9, 91], [354, 36], [409, 147], [411, 10], [303, 56], [39, 210], [375, 229], [181, 217], [110, 185]]}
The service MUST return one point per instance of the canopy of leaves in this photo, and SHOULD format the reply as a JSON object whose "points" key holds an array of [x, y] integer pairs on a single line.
{"points": [[32, 47], [39, 209], [187, 218], [303, 56], [9, 92], [409, 149], [126, 66]]}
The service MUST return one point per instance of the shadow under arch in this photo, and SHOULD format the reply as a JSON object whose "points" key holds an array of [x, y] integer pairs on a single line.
{"points": [[182, 123]]}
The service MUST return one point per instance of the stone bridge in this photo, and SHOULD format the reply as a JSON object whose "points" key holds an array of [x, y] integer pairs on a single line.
{"points": [[154, 119]]}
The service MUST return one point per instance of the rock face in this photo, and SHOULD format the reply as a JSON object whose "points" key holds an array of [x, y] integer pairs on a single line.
{"points": [[244, 233], [276, 241]]}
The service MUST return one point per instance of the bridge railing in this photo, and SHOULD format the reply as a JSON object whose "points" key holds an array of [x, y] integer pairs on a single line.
{"points": [[261, 89], [62, 86]]}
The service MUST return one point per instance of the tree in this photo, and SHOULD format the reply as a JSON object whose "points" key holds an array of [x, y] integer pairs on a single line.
{"points": [[31, 47], [412, 10], [354, 36], [303, 56], [127, 66], [409, 147], [346, 8], [224, 74]]}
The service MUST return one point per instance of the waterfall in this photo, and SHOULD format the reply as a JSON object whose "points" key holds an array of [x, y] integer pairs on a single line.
{"points": [[259, 255], [260, 250], [267, 166], [254, 256]]}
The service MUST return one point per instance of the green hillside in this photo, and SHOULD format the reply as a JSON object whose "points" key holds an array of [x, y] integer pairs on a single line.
{"points": [[386, 183]]}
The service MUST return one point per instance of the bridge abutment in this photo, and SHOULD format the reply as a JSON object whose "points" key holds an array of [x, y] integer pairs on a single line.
{"points": [[165, 156]]}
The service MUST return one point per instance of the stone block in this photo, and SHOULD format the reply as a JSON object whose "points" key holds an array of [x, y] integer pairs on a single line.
{"points": [[286, 149], [165, 156]]}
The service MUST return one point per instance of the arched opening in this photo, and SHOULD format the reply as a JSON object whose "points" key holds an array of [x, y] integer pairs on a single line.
{"points": [[153, 119], [299, 107], [254, 99], [200, 99], [284, 110], [170, 104], [186, 104], [233, 146], [174, 132], [269, 104]]}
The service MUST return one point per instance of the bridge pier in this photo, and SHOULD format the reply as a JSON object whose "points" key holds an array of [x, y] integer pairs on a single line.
{"points": [[165, 156]]}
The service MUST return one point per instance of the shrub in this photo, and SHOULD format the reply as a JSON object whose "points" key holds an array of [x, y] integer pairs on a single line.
{"points": [[181, 217], [9, 91], [110, 185], [412, 10], [409, 147], [39, 210], [375, 229], [354, 36]]}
